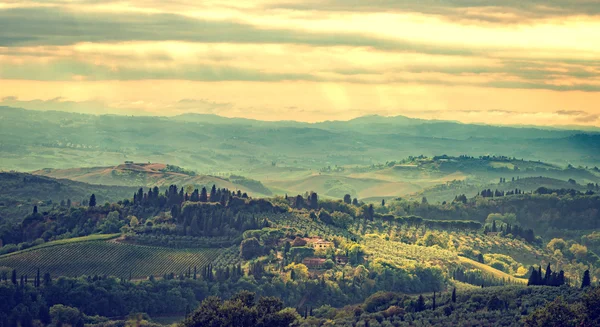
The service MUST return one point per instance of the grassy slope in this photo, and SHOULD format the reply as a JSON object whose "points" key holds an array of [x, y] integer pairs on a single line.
{"points": [[492, 271]]}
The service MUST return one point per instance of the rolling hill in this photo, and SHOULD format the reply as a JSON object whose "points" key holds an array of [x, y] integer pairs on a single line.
{"points": [[19, 192], [153, 174]]}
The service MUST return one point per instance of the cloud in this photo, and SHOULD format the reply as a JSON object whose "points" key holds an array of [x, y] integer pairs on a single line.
{"points": [[131, 107], [466, 11], [284, 62]]}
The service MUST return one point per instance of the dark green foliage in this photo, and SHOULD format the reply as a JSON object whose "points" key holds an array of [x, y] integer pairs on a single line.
{"points": [[250, 248], [241, 310], [92, 202], [298, 253], [420, 304], [550, 278], [203, 195], [347, 199]]}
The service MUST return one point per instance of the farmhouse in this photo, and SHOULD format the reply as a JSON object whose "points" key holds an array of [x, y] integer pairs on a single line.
{"points": [[322, 245]]}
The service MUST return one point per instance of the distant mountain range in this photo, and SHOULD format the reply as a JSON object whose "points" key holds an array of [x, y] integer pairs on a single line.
{"points": [[209, 144]]}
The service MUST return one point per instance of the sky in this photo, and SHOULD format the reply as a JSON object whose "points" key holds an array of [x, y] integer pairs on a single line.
{"points": [[534, 62]]}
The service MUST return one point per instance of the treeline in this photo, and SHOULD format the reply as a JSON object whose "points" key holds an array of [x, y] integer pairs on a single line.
{"points": [[509, 230], [543, 213], [430, 223], [489, 306], [478, 278]]}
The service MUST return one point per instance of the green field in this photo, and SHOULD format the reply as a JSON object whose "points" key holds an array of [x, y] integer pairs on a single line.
{"points": [[98, 257]]}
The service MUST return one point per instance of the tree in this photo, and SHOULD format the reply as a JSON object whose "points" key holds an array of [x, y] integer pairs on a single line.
{"points": [[420, 305], [347, 199], [35, 209], [454, 295], [555, 313], [586, 282], [47, 279], [314, 201], [355, 202], [299, 202], [92, 202], [534, 279], [203, 195], [250, 248], [63, 315], [579, 251], [557, 244], [13, 277], [133, 221], [548, 275], [213, 194], [424, 200], [383, 202]]}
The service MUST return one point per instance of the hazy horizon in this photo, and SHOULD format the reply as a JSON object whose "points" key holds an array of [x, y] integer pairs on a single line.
{"points": [[575, 127]]}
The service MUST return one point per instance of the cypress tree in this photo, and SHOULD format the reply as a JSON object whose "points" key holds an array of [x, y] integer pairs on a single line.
{"points": [[13, 277], [548, 276], [47, 279], [314, 201], [213, 194], [92, 202], [586, 282], [420, 306], [454, 295], [203, 195]]}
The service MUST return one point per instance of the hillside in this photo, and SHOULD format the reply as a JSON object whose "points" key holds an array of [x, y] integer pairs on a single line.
{"points": [[439, 178], [19, 192], [449, 190], [150, 175], [311, 252]]}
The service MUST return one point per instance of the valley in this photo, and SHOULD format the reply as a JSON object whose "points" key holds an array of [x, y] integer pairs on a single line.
{"points": [[399, 239]]}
